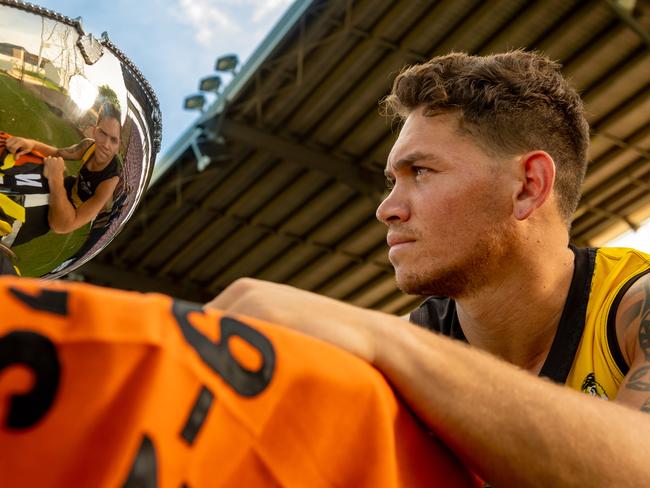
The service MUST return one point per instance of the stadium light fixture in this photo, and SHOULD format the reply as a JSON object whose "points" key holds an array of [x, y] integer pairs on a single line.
{"points": [[194, 102], [210, 84], [202, 160], [227, 63]]}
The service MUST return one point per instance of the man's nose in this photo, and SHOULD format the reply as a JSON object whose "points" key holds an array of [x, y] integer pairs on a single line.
{"points": [[394, 208]]}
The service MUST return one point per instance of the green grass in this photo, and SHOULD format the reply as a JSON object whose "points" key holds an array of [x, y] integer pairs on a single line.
{"points": [[41, 255], [24, 114]]}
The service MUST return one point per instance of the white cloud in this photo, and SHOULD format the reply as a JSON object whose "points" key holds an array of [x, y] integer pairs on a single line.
{"points": [[262, 9], [228, 25], [207, 20]]}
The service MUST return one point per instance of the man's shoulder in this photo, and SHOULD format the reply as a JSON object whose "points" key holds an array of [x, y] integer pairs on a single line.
{"points": [[624, 253], [617, 264], [85, 143]]}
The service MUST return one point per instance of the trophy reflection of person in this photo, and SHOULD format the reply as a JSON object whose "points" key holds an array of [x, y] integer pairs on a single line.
{"points": [[74, 201]]}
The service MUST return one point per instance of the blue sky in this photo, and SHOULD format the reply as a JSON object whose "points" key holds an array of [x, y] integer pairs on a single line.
{"points": [[176, 42]]}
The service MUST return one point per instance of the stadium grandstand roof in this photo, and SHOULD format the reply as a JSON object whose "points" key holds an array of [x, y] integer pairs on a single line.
{"points": [[297, 147]]}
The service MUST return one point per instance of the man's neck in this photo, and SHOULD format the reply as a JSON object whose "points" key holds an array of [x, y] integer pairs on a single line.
{"points": [[94, 165], [516, 316]]}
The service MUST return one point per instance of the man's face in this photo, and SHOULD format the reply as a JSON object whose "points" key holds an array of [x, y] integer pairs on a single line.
{"points": [[449, 210], [107, 139]]}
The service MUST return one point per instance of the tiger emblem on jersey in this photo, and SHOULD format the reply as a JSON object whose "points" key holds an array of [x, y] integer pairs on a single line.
{"points": [[591, 387]]}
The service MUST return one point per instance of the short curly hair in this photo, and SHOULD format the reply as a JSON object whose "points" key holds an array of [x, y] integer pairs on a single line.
{"points": [[109, 111], [510, 103]]}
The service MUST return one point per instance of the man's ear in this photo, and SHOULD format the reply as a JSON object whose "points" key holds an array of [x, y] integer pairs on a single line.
{"points": [[537, 176]]}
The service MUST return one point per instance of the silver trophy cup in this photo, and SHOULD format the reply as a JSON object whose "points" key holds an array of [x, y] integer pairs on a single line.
{"points": [[79, 131]]}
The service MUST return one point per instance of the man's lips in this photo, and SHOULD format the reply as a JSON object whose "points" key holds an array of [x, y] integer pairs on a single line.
{"points": [[396, 240]]}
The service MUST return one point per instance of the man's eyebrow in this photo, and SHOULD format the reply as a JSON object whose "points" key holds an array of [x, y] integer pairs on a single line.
{"points": [[408, 160]]}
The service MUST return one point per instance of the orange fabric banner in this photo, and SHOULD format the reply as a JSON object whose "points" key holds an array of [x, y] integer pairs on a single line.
{"points": [[34, 157], [101, 387]]}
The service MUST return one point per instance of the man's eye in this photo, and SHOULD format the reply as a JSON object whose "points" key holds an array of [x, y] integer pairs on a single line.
{"points": [[390, 184], [419, 171]]}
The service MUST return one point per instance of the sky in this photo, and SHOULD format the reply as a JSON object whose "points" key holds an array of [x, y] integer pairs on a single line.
{"points": [[638, 240], [175, 42]]}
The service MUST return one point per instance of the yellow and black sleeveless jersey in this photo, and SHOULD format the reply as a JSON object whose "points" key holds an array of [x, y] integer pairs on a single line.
{"points": [[585, 354], [84, 185], [100, 387], [599, 366]]}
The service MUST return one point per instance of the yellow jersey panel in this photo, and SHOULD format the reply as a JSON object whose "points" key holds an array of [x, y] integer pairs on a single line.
{"points": [[598, 367]]}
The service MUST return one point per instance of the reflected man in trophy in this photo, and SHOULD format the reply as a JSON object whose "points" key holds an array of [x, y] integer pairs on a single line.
{"points": [[73, 201]]}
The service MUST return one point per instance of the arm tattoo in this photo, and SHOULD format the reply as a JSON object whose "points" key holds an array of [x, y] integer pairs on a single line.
{"points": [[71, 152], [646, 406], [640, 379], [633, 310], [644, 326]]}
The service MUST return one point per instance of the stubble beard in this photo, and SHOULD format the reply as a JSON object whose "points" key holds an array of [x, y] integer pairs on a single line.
{"points": [[468, 274]]}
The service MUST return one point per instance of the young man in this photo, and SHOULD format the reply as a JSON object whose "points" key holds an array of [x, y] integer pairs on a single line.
{"points": [[76, 201], [485, 177]]}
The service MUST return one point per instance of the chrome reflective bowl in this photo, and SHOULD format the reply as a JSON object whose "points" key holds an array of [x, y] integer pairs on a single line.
{"points": [[79, 131]]}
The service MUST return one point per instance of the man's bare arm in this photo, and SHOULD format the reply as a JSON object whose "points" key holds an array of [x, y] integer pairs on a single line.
{"points": [[75, 151], [633, 324], [512, 427], [63, 217], [22, 145]]}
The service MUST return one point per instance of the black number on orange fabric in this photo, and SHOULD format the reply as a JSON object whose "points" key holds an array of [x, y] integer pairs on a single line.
{"points": [[38, 353], [144, 470], [53, 301], [197, 415], [218, 356]]}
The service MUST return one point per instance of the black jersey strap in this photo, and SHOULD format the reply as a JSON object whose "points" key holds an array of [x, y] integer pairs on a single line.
{"points": [[572, 323], [438, 314], [612, 339]]}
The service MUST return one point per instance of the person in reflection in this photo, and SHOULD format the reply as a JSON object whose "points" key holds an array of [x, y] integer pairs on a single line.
{"points": [[74, 201]]}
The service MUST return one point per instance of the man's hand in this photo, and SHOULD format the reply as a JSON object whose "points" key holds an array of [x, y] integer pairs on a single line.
{"points": [[53, 170], [338, 323], [19, 146]]}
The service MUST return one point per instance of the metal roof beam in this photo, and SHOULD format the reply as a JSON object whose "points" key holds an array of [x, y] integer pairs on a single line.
{"points": [[594, 226], [630, 21], [366, 182], [99, 272]]}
